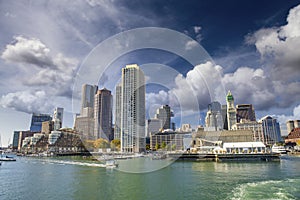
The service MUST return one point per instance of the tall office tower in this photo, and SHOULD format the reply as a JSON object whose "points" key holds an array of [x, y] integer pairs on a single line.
{"points": [[36, 121], [84, 123], [246, 112], [118, 106], [213, 119], [103, 114], [164, 113], [133, 109], [153, 126], [224, 117], [231, 111], [290, 126], [271, 130], [88, 95], [57, 118]]}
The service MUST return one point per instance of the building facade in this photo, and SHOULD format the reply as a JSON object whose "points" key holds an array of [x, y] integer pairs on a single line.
{"points": [[36, 121], [271, 130], [153, 126], [246, 112], [231, 111], [118, 109], [164, 114], [103, 114], [88, 95], [133, 109], [214, 119]]}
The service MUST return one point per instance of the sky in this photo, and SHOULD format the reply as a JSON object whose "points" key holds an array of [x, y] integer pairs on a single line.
{"points": [[192, 52]]}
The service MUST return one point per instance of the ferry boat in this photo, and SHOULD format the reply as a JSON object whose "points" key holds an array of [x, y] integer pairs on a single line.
{"points": [[278, 149]]}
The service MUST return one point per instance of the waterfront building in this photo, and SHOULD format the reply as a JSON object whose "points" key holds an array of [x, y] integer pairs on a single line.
{"points": [[244, 147], [231, 111], [88, 95], [118, 109], [271, 130], [47, 127], [254, 126], [213, 119], [22, 136], [212, 138], [103, 114], [293, 136], [246, 112], [84, 125], [153, 126], [164, 113], [36, 121], [133, 109], [170, 141]]}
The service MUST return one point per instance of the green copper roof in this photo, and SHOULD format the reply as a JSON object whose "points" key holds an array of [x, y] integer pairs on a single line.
{"points": [[229, 96]]}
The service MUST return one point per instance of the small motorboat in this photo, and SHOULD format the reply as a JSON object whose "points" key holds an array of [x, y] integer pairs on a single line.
{"points": [[111, 164], [7, 158]]}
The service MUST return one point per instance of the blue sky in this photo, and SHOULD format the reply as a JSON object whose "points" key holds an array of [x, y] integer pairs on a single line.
{"points": [[252, 45]]}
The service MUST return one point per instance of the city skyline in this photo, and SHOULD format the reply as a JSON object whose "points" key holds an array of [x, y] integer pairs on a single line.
{"points": [[38, 65]]}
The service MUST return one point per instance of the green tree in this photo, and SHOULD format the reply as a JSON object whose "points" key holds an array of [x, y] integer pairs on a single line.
{"points": [[101, 143], [115, 144], [157, 146], [173, 147], [89, 144], [163, 145]]}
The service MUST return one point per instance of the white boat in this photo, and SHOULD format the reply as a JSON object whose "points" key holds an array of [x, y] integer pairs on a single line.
{"points": [[111, 164], [279, 149], [7, 158]]}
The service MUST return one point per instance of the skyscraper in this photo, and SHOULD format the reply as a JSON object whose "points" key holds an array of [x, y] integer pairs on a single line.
{"points": [[214, 119], [245, 111], [88, 95], [231, 111], [290, 126], [36, 121], [271, 130], [103, 114], [133, 109], [164, 114], [58, 118], [118, 106], [84, 123]]}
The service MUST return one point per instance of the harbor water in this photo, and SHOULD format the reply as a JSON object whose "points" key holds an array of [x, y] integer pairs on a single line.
{"points": [[66, 178]]}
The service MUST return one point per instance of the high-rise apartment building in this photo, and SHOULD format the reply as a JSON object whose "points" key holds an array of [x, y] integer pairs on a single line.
{"points": [[214, 119], [103, 114], [164, 114], [231, 111], [118, 106], [246, 112], [133, 109]]}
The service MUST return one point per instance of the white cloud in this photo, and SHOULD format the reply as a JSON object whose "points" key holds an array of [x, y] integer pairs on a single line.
{"points": [[191, 44], [43, 75], [30, 51], [27, 101], [277, 46]]}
